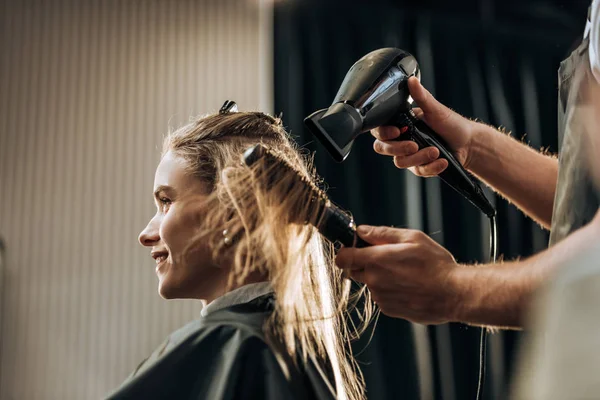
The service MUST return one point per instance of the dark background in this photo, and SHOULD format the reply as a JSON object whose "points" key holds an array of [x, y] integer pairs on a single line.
{"points": [[492, 60]]}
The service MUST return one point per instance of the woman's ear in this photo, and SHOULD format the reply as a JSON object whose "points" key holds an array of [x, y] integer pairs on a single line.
{"points": [[226, 174]]}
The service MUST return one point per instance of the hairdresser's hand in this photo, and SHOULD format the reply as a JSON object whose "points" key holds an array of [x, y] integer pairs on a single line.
{"points": [[458, 132], [409, 275]]}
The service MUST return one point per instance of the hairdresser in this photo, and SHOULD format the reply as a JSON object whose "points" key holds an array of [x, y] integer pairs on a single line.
{"points": [[412, 277], [545, 369]]}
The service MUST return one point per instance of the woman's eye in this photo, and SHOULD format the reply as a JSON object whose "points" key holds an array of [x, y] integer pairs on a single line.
{"points": [[164, 203]]}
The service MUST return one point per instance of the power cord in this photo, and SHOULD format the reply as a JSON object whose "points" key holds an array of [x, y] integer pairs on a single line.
{"points": [[483, 336]]}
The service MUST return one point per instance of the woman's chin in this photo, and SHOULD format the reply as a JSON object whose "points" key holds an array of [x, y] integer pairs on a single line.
{"points": [[173, 287], [166, 289], [165, 293]]}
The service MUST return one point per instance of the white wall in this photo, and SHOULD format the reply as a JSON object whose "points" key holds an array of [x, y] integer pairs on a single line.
{"points": [[87, 89]]}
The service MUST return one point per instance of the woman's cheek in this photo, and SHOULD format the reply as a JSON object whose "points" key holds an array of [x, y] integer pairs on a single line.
{"points": [[178, 228], [169, 231]]}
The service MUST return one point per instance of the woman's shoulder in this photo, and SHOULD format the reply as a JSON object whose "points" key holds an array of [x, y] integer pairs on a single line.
{"points": [[222, 325], [224, 356], [244, 321]]}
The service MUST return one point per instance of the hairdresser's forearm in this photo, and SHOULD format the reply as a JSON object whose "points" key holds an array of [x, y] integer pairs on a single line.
{"points": [[500, 294], [521, 174]]}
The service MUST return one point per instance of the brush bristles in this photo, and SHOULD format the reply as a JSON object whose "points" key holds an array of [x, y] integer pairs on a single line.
{"points": [[282, 180]]}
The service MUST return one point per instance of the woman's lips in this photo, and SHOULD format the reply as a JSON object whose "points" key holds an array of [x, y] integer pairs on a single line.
{"points": [[159, 263], [160, 257]]}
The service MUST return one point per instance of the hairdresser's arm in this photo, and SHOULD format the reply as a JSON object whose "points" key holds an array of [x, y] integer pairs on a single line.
{"points": [[523, 175], [499, 294], [412, 277]]}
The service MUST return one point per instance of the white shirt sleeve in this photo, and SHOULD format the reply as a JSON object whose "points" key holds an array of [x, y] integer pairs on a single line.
{"points": [[594, 34]]}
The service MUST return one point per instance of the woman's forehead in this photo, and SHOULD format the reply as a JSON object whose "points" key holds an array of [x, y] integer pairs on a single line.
{"points": [[172, 172]]}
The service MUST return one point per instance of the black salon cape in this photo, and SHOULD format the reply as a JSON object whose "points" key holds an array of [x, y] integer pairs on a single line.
{"points": [[223, 356]]}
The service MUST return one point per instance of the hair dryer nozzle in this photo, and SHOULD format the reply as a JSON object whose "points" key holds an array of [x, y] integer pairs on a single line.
{"points": [[336, 128]]}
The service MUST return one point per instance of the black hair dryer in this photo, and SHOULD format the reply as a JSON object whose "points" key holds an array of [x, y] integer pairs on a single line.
{"points": [[375, 93]]}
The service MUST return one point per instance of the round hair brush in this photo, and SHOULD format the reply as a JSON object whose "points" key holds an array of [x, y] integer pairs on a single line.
{"points": [[312, 206]]}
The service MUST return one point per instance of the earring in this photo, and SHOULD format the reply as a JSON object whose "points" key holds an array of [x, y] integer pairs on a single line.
{"points": [[226, 239]]}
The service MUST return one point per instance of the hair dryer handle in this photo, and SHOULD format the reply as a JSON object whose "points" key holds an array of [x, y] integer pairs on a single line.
{"points": [[454, 175]]}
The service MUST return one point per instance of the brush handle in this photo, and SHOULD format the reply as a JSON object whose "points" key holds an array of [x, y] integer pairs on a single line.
{"points": [[337, 226]]}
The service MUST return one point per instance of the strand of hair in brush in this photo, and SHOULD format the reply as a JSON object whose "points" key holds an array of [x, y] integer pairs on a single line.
{"points": [[332, 222]]}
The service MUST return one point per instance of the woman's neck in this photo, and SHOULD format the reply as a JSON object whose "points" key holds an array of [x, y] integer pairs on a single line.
{"points": [[241, 295], [222, 288]]}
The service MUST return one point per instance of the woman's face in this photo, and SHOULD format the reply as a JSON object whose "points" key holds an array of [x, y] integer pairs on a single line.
{"points": [[180, 201]]}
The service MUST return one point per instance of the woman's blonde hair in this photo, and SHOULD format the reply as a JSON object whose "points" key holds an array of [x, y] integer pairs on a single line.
{"points": [[313, 300]]}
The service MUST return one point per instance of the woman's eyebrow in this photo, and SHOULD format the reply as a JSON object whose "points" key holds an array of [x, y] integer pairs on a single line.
{"points": [[162, 188]]}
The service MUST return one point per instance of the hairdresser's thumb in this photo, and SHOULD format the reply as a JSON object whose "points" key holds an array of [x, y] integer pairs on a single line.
{"points": [[421, 96], [379, 234]]}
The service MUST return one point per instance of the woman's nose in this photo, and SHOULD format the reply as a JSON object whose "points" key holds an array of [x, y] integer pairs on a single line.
{"points": [[149, 236]]}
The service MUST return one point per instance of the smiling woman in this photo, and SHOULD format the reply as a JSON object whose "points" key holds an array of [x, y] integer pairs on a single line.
{"points": [[274, 321], [180, 199]]}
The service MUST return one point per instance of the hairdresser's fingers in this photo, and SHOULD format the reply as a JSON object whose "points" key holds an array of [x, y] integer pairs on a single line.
{"points": [[386, 132], [357, 274], [392, 132], [418, 112], [393, 148], [372, 277], [370, 257], [432, 169], [349, 259], [382, 235], [422, 157], [378, 280]]}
